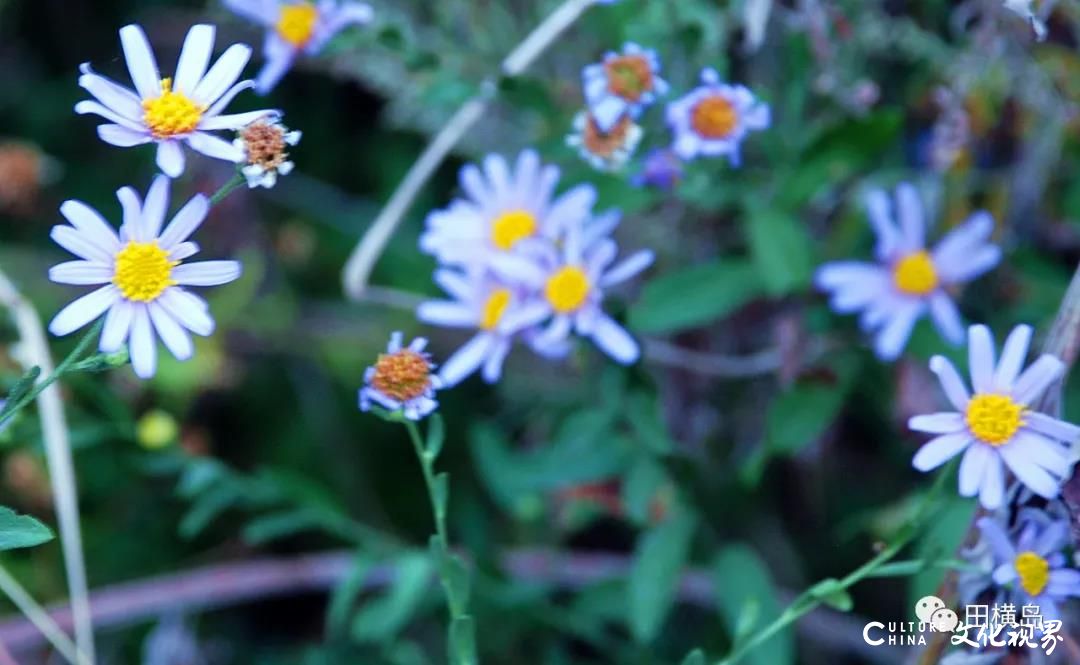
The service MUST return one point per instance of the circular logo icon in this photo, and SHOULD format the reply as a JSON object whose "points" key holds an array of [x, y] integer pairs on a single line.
{"points": [[925, 608]]}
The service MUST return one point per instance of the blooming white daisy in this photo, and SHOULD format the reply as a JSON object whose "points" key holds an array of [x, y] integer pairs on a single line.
{"points": [[1032, 562], [296, 27], [714, 118], [264, 145], [605, 151], [908, 280], [495, 309], [571, 278], [401, 380], [623, 84], [143, 275], [501, 208], [171, 111], [996, 424]]}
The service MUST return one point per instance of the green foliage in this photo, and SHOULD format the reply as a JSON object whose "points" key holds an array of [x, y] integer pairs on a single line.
{"points": [[748, 602], [20, 531], [659, 560], [695, 296]]}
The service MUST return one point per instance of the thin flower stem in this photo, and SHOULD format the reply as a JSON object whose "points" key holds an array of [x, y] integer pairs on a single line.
{"points": [[229, 187], [54, 433], [367, 252], [40, 618], [427, 462]]}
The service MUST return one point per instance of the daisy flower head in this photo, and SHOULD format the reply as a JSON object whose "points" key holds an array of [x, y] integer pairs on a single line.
{"points": [[295, 28], [175, 110], [714, 118], [571, 278], [622, 84], [605, 151], [909, 280], [502, 207], [995, 426], [142, 275], [496, 309], [265, 145], [401, 380], [1030, 562]]}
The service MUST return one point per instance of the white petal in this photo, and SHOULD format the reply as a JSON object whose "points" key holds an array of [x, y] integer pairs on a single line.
{"points": [[140, 61], [628, 268], [91, 225], [1034, 477], [184, 250], [117, 325], [1037, 378], [1052, 427], [1013, 355], [518, 269], [188, 309], [170, 158], [992, 490], [132, 206], [964, 240], [938, 423], [235, 120], [227, 98], [455, 284], [909, 210], [981, 358], [185, 222], [80, 244], [81, 273], [946, 317], [153, 211], [223, 75], [142, 346], [207, 273], [446, 313], [264, 12], [615, 341], [83, 311], [96, 108], [176, 339], [1050, 455], [466, 360], [973, 467], [879, 213], [951, 382], [493, 365], [273, 69], [114, 96], [194, 57], [572, 209], [519, 318], [212, 146], [970, 265], [123, 137], [939, 450], [893, 336]]}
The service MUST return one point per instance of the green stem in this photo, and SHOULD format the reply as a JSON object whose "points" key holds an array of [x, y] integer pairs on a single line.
{"points": [[231, 186], [61, 369], [427, 464]]}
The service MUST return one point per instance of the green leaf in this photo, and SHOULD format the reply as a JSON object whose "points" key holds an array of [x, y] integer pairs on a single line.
{"points": [[646, 420], [944, 535], [748, 602], [380, 620], [17, 531], [436, 435], [695, 296], [654, 577], [279, 525], [463, 641], [801, 415], [344, 596], [833, 594], [695, 657], [781, 249], [441, 491], [640, 488], [454, 575]]}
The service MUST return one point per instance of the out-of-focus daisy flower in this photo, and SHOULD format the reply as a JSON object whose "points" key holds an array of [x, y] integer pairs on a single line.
{"points": [[1033, 564], [171, 111], [496, 310], [908, 280], [662, 169], [623, 84], [23, 171], [996, 424], [714, 118], [264, 145], [401, 380], [501, 208], [605, 151], [296, 27], [571, 279], [143, 274]]}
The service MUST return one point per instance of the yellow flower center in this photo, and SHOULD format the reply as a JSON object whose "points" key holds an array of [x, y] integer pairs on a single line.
{"points": [[915, 274], [714, 117], [567, 289], [296, 24], [171, 114], [1034, 572], [511, 227], [993, 418], [629, 76], [403, 376], [494, 308], [143, 271]]}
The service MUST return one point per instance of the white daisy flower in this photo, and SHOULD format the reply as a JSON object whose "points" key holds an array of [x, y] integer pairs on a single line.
{"points": [[495, 309], [571, 278], [623, 84], [295, 28], [264, 145], [171, 111], [401, 380], [908, 280], [501, 208], [714, 118], [996, 427], [605, 151], [143, 275]]}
